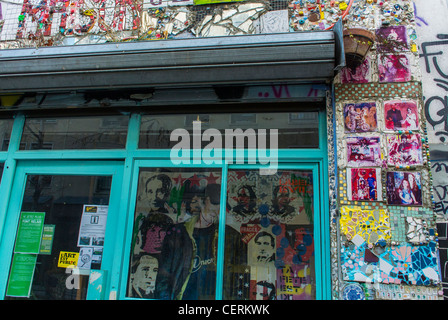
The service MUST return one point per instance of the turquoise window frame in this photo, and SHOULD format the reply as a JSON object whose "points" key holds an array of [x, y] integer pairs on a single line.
{"points": [[131, 159], [310, 159]]}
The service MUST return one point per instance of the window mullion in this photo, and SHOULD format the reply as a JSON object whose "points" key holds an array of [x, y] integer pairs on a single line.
{"points": [[221, 235]]}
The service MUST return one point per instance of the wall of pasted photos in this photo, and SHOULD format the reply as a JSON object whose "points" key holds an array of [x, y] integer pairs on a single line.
{"points": [[433, 35], [388, 239]]}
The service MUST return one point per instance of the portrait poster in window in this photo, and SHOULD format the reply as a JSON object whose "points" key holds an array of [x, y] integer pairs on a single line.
{"points": [[269, 236], [174, 242]]}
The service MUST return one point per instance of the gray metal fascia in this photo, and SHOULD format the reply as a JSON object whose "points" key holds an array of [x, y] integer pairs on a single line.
{"points": [[218, 60]]}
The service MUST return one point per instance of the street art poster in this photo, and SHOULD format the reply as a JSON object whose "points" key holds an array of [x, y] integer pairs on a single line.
{"points": [[404, 188], [269, 229], [404, 149], [360, 117], [175, 233], [392, 38], [269, 234], [394, 68], [360, 74], [364, 184], [363, 151], [401, 115]]}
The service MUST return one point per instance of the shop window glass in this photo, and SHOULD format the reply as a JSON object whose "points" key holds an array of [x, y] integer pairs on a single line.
{"points": [[269, 241], [269, 235], [5, 132], [74, 216], [93, 132], [295, 130], [174, 243]]}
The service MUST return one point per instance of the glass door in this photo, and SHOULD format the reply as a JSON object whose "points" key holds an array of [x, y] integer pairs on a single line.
{"points": [[270, 234], [224, 233], [60, 228], [173, 250]]}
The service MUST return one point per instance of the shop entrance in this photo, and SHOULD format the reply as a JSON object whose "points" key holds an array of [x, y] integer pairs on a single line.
{"points": [[65, 215]]}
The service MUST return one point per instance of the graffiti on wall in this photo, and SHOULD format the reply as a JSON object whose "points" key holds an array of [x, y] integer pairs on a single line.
{"points": [[439, 171], [434, 65], [433, 42], [434, 54]]}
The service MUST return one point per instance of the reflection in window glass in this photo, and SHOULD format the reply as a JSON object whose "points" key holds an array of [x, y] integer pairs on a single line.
{"points": [[5, 132], [95, 132], [295, 130], [269, 249], [174, 244]]}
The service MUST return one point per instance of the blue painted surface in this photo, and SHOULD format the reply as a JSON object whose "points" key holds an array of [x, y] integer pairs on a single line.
{"points": [[124, 165]]}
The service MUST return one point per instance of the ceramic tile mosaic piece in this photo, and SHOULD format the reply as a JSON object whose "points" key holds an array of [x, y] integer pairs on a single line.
{"points": [[360, 117], [398, 221], [394, 68], [417, 231], [360, 91], [361, 74], [371, 225], [404, 264], [353, 291], [392, 38], [404, 292]]}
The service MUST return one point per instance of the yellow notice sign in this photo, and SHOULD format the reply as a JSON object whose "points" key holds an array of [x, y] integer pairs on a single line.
{"points": [[68, 259]]}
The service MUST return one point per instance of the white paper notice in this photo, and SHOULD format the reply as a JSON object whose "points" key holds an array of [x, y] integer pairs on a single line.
{"points": [[93, 226]]}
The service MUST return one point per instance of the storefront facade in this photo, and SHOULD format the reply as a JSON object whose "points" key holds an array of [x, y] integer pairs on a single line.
{"points": [[222, 167], [120, 185], [152, 214]]}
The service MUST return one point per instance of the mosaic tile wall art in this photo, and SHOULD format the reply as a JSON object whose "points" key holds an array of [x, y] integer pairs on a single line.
{"points": [[372, 226], [383, 168], [404, 264], [422, 219], [403, 292], [379, 291], [25, 23]]}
